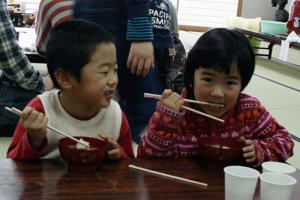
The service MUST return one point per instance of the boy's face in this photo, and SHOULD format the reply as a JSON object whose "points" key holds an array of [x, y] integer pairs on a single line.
{"points": [[99, 77], [217, 87]]}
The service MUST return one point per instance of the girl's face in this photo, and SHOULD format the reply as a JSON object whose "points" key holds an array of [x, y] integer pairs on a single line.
{"points": [[99, 77], [217, 87]]}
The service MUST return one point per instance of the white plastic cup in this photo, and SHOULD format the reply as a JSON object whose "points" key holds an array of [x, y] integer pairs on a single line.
{"points": [[278, 167], [276, 186], [240, 182]]}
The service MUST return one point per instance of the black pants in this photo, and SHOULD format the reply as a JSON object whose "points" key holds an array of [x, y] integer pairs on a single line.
{"points": [[11, 95]]}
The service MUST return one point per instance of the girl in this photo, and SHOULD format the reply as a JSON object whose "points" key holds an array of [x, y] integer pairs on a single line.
{"points": [[218, 68]]}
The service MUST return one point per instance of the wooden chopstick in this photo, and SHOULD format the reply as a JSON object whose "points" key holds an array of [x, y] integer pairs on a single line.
{"points": [[19, 112], [155, 96], [158, 97], [185, 180], [202, 113]]}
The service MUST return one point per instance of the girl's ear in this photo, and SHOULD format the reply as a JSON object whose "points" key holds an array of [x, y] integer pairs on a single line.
{"points": [[64, 79]]}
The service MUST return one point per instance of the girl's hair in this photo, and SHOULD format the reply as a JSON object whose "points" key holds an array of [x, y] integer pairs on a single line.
{"points": [[220, 49], [71, 45]]}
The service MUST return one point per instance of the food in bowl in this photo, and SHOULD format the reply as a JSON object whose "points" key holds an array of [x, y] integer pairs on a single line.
{"points": [[82, 159], [216, 151], [80, 145]]}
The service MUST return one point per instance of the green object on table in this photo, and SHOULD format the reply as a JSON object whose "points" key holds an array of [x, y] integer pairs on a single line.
{"points": [[255, 43], [273, 27]]}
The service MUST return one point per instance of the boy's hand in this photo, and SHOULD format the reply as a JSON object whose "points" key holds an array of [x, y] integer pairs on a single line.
{"points": [[249, 150], [35, 123], [114, 152], [141, 58], [171, 99]]}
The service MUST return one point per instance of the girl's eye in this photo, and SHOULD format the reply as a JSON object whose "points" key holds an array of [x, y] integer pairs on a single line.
{"points": [[207, 79], [231, 83], [104, 72]]}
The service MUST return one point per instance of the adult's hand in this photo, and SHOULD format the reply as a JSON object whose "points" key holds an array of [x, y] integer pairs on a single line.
{"points": [[141, 58]]}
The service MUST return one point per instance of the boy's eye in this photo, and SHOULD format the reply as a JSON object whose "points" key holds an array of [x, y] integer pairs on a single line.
{"points": [[103, 72]]}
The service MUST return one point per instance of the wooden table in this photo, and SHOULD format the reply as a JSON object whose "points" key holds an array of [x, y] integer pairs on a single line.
{"points": [[271, 39], [49, 179]]}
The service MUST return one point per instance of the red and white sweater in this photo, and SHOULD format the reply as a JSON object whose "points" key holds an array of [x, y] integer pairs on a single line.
{"points": [[176, 134], [111, 121], [51, 13]]}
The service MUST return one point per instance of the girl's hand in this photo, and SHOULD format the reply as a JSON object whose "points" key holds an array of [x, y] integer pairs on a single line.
{"points": [[249, 150], [35, 123], [171, 99], [114, 152]]}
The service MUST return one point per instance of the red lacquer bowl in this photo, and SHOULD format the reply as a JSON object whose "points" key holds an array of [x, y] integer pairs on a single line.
{"points": [[82, 160], [221, 151]]}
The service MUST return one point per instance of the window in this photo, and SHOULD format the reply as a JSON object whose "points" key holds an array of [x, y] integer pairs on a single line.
{"points": [[31, 5], [199, 15]]}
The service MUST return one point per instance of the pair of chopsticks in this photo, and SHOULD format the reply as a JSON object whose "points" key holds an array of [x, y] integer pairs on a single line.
{"points": [[185, 180], [19, 112], [158, 97]]}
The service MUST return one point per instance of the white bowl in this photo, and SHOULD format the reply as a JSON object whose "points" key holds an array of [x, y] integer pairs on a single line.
{"points": [[278, 167]]}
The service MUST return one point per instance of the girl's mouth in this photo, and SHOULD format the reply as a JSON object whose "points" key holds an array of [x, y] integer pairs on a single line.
{"points": [[216, 108]]}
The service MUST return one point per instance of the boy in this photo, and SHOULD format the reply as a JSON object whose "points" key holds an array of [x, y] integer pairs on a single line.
{"points": [[130, 24], [81, 60]]}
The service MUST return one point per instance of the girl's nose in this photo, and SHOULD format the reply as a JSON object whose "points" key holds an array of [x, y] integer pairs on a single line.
{"points": [[217, 92]]}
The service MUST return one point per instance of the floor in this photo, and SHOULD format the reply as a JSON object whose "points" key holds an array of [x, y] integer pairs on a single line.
{"points": [[275, 83], [277, 86]]}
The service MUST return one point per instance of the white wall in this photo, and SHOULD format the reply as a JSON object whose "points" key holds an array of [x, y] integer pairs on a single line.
{"points": [[260, 8]]}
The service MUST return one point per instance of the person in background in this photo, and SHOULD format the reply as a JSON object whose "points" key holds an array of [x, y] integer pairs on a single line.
{"points": [[50, 13], [164, 51], [19, 81], [81, 60], [174, 73], [218, 68], [129, 22], [174, 21]]}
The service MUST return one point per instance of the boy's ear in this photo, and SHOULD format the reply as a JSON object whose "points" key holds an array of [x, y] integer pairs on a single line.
{"points": [[64, 79]]}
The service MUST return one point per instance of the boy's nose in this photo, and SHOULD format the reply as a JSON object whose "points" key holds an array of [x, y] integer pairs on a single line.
{"points": [[217, 92], [112, 79]]}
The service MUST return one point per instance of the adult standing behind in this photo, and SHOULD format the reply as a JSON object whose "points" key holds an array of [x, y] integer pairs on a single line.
{"points": [[129, 22], [19, 82], [164, 50]]}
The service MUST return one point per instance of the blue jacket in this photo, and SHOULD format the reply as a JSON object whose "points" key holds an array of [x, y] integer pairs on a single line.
{"points": [[161, 19], [127, 20]]}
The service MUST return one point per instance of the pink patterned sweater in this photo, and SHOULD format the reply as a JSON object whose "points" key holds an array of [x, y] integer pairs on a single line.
{"points": [[176, 134]]}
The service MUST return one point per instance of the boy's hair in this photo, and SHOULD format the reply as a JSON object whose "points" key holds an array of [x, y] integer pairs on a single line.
{"points": [[71, 45], [220, 49]]}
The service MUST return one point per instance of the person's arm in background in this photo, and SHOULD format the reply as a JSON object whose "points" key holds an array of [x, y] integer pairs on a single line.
{"points": [[174, 21], [140, 32], [13, 62], [50, 13]]}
